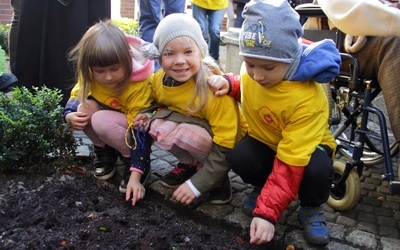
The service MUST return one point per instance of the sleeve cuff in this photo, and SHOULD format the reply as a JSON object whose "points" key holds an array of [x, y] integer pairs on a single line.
{"points": [[193, 188]]}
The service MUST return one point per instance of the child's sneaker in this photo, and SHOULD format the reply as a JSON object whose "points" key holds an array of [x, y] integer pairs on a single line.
{"points": [[221, 194], [127, 175], [250, 202], [316, 230], [178, 175], [104, 162]]}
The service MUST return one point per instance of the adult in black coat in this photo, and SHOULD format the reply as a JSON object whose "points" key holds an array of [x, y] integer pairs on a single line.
{"points": [[47, 29]]}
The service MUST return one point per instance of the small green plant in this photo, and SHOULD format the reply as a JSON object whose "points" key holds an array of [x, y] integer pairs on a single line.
{"points": [[32, 130], [127, 25]]}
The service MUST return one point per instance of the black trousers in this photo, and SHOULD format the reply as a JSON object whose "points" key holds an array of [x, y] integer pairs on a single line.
{"points": [[253, 161], [46, 31]]}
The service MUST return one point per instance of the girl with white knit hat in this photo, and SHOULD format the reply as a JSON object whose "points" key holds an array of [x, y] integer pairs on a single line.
{"points": [[194, 125]]}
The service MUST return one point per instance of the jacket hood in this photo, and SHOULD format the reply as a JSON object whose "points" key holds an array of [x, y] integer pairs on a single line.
{"points": [[142, 67], [319, 61]]}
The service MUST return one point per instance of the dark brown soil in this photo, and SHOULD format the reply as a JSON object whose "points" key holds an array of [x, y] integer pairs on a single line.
{"points": [[69, 209]]}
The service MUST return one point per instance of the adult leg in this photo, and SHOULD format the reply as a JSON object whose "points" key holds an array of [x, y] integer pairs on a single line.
{"points": [[200, 15], [214, 29], [13, 36], [149, 17], [378, 59], [239, 19], [174, 6]]}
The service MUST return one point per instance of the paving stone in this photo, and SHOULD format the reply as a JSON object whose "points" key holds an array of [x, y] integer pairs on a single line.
{"points": [[391, 232], [368, 227], [362, 239], [390, 243]]}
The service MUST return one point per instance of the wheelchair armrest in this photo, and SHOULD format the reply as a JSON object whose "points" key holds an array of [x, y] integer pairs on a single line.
{"points": [[309, 10]]}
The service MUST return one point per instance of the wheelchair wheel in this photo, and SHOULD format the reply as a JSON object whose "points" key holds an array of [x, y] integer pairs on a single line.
{"points": [[370, 157], [347, 195], [372, 150]]}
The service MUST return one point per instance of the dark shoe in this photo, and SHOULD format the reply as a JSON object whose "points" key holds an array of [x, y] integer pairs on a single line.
{"points": [[250, 202], [316, 230], [127, 175], [6, 82], [178, 175], [104, 162], [221, 194]]}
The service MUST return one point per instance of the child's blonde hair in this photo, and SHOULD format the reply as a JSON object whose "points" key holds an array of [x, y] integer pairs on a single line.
{"points": [[207, 68], [103, 45]]}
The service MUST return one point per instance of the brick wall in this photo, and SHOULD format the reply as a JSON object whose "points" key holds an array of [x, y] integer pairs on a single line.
{"points": [[128, 8], [5, 11]]}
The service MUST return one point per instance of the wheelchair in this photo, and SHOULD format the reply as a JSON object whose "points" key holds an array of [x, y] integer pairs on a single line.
{"points": [[360, 141]]}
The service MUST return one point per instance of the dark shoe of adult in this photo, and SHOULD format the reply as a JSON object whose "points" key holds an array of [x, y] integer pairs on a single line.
{"points": [[7, 80]]}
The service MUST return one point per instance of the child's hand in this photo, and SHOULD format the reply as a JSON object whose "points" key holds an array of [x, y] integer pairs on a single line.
{"points": [[134, 190], [140, 122], [261, 231], [77, 120], [219, 84], [184, 194]]}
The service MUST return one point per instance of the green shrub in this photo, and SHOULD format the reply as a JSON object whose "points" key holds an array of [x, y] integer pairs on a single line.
{"points": [[4, 30], [127, 25], [32, 131]]}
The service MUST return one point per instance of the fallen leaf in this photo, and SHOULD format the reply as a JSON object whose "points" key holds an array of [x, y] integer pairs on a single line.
{"points": [[381, 198], [76, 169], [290, 247], [92, 216], [63, 243], [239, 240]]}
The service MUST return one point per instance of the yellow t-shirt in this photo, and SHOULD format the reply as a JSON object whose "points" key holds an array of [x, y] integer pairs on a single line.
{"points": [[222, 113], [290, 117], [211, 4], [136, 96]]}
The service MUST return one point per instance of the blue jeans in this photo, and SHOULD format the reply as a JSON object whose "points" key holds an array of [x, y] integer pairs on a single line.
{"points": [[150, 15], [239, 19], [211, 32]]}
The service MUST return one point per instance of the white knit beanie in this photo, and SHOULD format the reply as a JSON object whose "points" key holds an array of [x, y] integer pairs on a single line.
{"points": [[271, 30], [173, 26]]}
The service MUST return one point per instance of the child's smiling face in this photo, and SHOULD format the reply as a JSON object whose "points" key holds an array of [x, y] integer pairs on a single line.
{"points": [[266, 73], [181, 58]]}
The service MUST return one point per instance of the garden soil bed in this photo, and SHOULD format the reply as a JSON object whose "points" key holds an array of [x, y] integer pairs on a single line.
{"points": [[66, 208]]}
